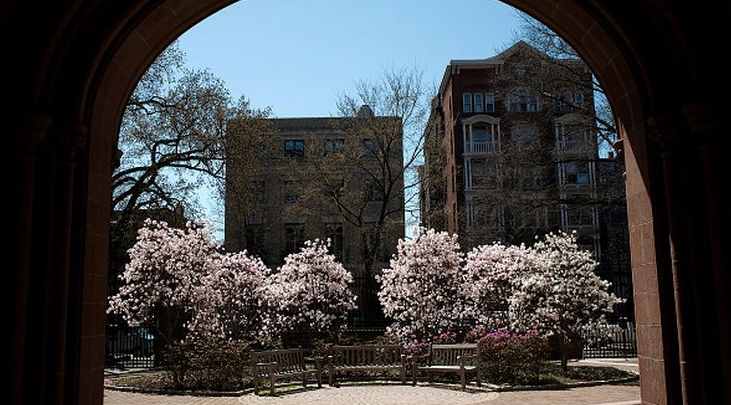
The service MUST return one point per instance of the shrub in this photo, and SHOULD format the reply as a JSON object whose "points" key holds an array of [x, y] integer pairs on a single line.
{"points": [[512, 358], [208, 364], [309, 296], [564, 296], [491, 273], [421, 291], [226, 303]]}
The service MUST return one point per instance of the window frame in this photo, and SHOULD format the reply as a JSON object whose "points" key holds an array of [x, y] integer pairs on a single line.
{"points": [[294, 152], [467, 103]]}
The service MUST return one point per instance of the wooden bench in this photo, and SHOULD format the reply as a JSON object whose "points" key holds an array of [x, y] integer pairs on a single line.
{"points": [[273, 365], [365, 358], [461, 359]]}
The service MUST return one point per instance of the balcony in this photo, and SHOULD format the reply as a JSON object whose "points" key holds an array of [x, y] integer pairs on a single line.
{"points": [[477, 148]]}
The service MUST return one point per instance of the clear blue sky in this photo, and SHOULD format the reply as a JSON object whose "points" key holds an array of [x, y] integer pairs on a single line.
{"points": [[297, 56]]}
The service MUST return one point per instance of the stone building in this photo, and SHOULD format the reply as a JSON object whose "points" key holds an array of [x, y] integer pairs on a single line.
{"points": [[512, 152], [323, 178]]}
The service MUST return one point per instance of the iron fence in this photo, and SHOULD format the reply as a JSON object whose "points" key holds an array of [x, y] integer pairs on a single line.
{"points": [[614, 342], [129, 347]]}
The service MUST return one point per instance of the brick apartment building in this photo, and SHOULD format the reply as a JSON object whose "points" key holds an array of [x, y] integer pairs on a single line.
{"points": [[322, 178], [511, 152]]}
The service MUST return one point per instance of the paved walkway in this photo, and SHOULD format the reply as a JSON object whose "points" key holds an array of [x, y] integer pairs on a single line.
{"points": [[400, 395]]}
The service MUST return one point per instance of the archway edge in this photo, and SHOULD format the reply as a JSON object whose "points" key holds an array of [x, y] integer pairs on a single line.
{"points": [[132, 46]]}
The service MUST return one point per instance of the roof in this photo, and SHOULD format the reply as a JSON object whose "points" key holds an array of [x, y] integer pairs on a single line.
{"points": [[496, 60], [313, 123]]}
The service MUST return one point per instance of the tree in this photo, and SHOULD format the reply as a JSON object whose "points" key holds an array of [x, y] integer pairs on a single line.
{"points": [[309, 295], [421, 291], [570, 76], [173, 138], [493, 273], [226, 303], [563, 297], [369, 178], [161, 281]]}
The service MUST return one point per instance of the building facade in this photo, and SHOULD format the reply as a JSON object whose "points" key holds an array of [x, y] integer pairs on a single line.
{"points": [[324, 178], [511, 152]]}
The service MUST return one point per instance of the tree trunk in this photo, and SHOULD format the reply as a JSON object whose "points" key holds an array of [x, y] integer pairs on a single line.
{"points": [[564, 348]]}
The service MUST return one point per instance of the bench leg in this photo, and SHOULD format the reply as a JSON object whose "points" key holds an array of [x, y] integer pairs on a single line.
{"points": [[479, 377], [462, 379], [256, 385], [430, 377], [413, 375], [319, 379], [304, 380], [271, 384], [403, 375]]}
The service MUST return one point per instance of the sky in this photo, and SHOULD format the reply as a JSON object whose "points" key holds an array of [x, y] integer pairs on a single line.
{"points": [[297, 56]]}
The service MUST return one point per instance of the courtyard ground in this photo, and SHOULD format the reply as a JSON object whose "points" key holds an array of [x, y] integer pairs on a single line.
{"points": [[620, 394]]}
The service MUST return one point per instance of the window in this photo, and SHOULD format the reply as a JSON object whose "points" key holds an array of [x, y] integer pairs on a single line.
{"points": [[478, 103], [467, 102], [481, 138], [257, 191], [370, 148], [294, 147], [470, 208], [579, 216], [294, 237], [254, 238], [334, 145], [521, 101], [291, 192], [578, 99], [489, 103], [524, 133], [374, 192], [334, 232], [571, 137], [576, 173]]}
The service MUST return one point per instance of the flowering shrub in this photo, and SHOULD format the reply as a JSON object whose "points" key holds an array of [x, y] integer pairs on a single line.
{"points": [[564, 295], [511, 357], [226, 304], [164, 273], [492, 272], [310, 292], [421, 290], [208, 364]]}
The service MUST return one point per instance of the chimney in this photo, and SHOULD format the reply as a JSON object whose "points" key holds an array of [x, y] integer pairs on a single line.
{"points": [[365, 111]]}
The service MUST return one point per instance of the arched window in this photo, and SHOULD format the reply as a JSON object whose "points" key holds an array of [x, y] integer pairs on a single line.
{"points": [[521, 100]]}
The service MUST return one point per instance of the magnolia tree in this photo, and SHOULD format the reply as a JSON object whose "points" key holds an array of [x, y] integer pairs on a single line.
{"points": [[563, 296], [226, 304], [421, 290], [165, 271], [309, 293], [491, 275]]}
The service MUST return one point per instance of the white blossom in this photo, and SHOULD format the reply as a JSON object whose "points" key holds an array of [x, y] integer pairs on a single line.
{"points": [[310, 292], [421, 291]]}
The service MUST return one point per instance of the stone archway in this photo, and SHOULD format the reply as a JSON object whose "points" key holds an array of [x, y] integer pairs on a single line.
{"points": [[83, 65]]}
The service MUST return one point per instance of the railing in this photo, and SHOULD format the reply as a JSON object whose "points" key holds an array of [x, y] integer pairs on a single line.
{"points": [[611, 343], [129, 347], [479, 147]]}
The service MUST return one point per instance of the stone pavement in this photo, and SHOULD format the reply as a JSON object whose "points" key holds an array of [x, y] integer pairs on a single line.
{"points": [[400, 395]]}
